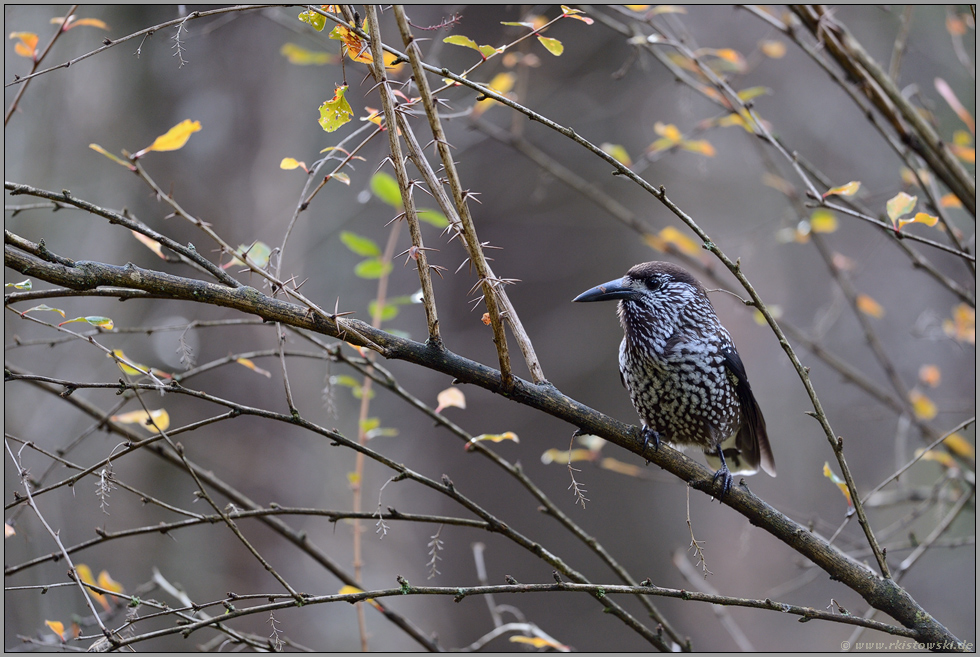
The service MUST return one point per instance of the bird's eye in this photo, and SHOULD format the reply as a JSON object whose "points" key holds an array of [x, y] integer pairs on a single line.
{"points": [[653, 284]]}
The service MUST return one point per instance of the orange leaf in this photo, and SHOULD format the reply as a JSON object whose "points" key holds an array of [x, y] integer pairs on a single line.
{"points": [[773, 49], [869, 306], [539, 642], [252, 366], [950, 201], [701, 146], [930, 375], [26, 44], [84, 573], [57, 627], [150, 243], [450, 397], [950, 97]]}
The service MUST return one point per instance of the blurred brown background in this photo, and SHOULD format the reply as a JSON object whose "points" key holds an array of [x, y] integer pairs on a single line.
{"points": [[256, 108]]}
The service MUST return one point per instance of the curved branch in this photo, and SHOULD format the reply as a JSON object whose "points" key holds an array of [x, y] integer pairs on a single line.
{"points": [[881, 593]]}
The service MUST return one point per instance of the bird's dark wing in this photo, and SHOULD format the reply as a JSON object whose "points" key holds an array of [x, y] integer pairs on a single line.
{"points": [[752, 440]]}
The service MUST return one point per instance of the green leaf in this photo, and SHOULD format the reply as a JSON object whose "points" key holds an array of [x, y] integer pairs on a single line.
{"points": [[466, 42], [362, 246], [314, 19], [372, 268], [405, 300], [367, 424], [335, 112], [23, 285], [344, 380], [44, 306], [386, 188], [388, 311], [433, 217], [554, 46]]}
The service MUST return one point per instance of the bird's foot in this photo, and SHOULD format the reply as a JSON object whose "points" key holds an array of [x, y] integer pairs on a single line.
{"points": [[650, 436], [726, 481]]}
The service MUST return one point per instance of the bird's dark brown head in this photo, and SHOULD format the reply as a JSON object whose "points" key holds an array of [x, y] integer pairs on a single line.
{"points": [[653, 299]]}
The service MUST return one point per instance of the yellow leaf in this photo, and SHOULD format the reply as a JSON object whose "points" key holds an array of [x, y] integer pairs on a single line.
{"points": [[466, 42], [300, 56], [773, 49], [963, 326], [919, 218], [746, 95], [960, 446], [106, 582], [662, 9], [700, 146], [290, 163], [252, 366], [538, 642], [103, 323], [616, 465], [501, 83], [823, 221], [353, 479], [257, 253], [841, 484], [554, 46], [23, 285], [899, 205], [348, 590], [668, 131], [160, 419], [150, 243], [450, 397], [941, 458], [335, 112], [675, 238], [930, 375], [495, 437], [618, 153], [126, 365], [563, 457], [922, 406], [57, 627], [869, 306], [174, 139], [850, 189], [775, 310], [26, 44], [99, 149]]}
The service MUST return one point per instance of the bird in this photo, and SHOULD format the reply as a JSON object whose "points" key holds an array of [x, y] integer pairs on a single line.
{"points": [[684, 375]]}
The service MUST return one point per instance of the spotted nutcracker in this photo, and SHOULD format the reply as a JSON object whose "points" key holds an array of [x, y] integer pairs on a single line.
{"points": [[684, 376]]}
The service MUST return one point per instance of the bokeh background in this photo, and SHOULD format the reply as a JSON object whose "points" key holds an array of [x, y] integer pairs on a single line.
{"points": [[257, 108]]}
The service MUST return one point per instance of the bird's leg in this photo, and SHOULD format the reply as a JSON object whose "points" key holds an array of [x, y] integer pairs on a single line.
{"points": [[723, 474], [650, 436]]}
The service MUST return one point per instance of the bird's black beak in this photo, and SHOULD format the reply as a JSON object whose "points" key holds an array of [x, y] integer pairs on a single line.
{"points": [[617, 289]]}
